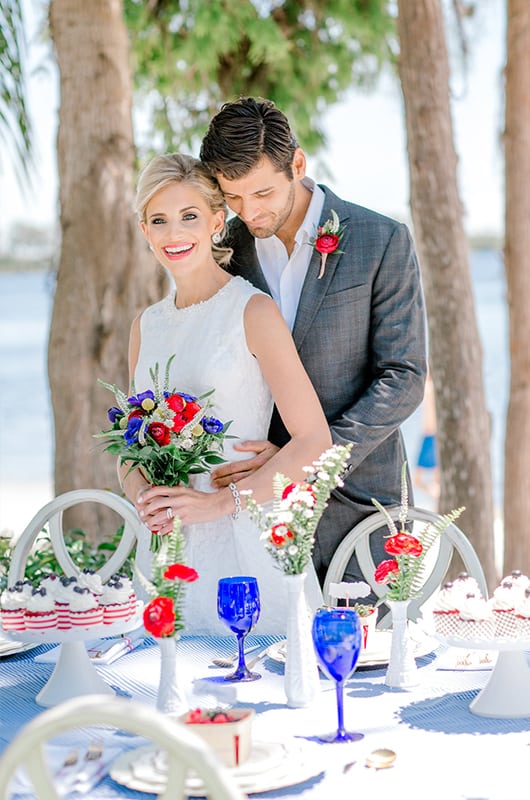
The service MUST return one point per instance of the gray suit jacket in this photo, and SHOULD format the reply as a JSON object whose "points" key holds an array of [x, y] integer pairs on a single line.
{"points": [[360, 333]]}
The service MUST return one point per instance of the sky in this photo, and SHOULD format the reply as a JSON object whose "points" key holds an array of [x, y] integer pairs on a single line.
{"points": [[365, 159]]}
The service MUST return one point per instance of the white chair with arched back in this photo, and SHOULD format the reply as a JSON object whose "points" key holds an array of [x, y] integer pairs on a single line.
{"points": [[436, 564], [186, 752], [52, 515]]}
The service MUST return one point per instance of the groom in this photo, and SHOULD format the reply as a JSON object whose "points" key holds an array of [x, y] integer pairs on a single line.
{"points": [[359, 327]]}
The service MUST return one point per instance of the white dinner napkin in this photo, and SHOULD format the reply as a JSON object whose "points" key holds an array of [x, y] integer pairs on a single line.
{"points": [[101, 651], [460, 658], [77, 779]]}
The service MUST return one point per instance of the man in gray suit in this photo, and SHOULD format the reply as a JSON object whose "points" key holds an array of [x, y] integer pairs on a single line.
{"points": [[359, 327]]}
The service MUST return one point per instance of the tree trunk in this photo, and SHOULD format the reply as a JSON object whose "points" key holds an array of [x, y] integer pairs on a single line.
{"points": [[517, 259], [455, 350], [104, 265]]}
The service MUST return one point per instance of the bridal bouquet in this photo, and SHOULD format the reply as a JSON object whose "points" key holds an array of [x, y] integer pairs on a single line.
{"points": [[404, 572], [289, 529], [168, 434], [163, 614]]}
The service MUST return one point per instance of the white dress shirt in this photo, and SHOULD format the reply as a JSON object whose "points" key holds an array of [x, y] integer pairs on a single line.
{"points": [[285, 275]]}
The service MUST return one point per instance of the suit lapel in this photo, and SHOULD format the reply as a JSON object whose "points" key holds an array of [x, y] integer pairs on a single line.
{"points": [[313, 289]]}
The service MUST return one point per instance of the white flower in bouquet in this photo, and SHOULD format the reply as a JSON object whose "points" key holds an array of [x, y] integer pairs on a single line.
{"points": [[288, 531]]}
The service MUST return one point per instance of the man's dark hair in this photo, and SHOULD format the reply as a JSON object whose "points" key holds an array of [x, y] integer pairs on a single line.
{"points": [[242, 133]]}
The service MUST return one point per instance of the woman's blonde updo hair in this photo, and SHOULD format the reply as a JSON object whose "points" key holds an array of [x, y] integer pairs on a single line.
{"points": [[178, 168]]}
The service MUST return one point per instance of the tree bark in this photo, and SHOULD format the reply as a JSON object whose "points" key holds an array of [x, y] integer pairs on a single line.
{"points": [[455, 349], [104, 268], [517, 250]]}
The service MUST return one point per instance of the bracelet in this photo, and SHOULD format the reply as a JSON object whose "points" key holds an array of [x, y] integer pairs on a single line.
{"points": [[237, 500]]}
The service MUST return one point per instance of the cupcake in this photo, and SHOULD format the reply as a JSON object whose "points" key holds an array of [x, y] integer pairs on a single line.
{"points": [[522, 615], [476, 619], [445, 612], [519, 581], [13, 608], [50, 582], [63, 596], [463, 585], [90, 580], [85, 610], [127, 583], [40, 612], [503, 604], [115, 602]]}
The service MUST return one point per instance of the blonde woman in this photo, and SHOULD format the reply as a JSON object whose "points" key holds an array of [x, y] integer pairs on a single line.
{"points": [[230, 337]]}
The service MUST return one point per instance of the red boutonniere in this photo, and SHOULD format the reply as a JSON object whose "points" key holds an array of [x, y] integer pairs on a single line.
{"points": [[327, 239]]}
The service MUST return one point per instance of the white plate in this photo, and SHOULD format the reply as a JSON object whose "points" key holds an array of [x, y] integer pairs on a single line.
{"points": [[378, 654], [8, 647], [271, 766]]}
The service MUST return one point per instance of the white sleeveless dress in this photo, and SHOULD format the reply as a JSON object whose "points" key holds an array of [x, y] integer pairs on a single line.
{"points": [[211, 353]]}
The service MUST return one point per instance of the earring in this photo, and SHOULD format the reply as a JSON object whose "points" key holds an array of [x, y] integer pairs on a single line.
{"points": [[216, 238]]}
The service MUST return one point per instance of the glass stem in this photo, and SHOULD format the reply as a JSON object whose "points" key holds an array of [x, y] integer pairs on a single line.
{"points": [[241, 666], [340, 707]]}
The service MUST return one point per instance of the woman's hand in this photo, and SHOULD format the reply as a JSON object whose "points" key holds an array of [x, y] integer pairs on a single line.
{"points": [[159, 505]]}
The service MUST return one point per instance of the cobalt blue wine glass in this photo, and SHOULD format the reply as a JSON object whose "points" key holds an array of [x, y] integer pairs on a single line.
{"points": [[238, 606], [337, 636]]}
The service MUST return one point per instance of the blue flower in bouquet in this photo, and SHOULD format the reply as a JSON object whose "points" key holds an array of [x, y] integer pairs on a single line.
{"points": [[167, 434]]}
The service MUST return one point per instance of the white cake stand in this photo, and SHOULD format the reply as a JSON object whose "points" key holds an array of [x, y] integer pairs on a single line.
{"points": [[507, 692], [74, 673]]}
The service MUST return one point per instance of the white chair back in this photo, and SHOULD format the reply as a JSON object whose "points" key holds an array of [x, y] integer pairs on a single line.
{"points": [[437, 564], [52, 514], [185, 751]]}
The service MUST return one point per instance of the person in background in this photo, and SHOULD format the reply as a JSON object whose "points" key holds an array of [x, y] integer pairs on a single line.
{"points": [[427, 473], [347, 282]]}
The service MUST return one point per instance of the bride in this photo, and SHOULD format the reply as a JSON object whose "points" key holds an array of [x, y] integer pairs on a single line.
{"points": [[230, 337]]}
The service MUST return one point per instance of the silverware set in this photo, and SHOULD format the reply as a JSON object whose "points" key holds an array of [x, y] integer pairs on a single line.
{"points": [[80, 772], [229, 661]]}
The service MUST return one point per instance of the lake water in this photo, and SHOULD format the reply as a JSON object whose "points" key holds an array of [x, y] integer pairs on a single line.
{"points": [[26, 442]]}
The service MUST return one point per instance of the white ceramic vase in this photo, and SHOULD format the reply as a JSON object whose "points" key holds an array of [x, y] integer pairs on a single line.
{"points": [[171, 698], [402, 672], [302, 682]]}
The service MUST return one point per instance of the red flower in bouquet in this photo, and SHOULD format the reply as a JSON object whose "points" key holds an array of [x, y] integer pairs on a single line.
{"points": [[160, 433], [403, 544], [181, 572], [159, 617], [328, 239], [384, 569]]}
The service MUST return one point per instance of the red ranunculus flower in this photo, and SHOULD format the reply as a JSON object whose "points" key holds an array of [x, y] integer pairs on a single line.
{"points": [[159, 432], [384, 570], [138, 413], [175, 402], [159, 617], [181, 572], [182, 418], [327, 243], [403, 544], [279, 533], [299, 487]]}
